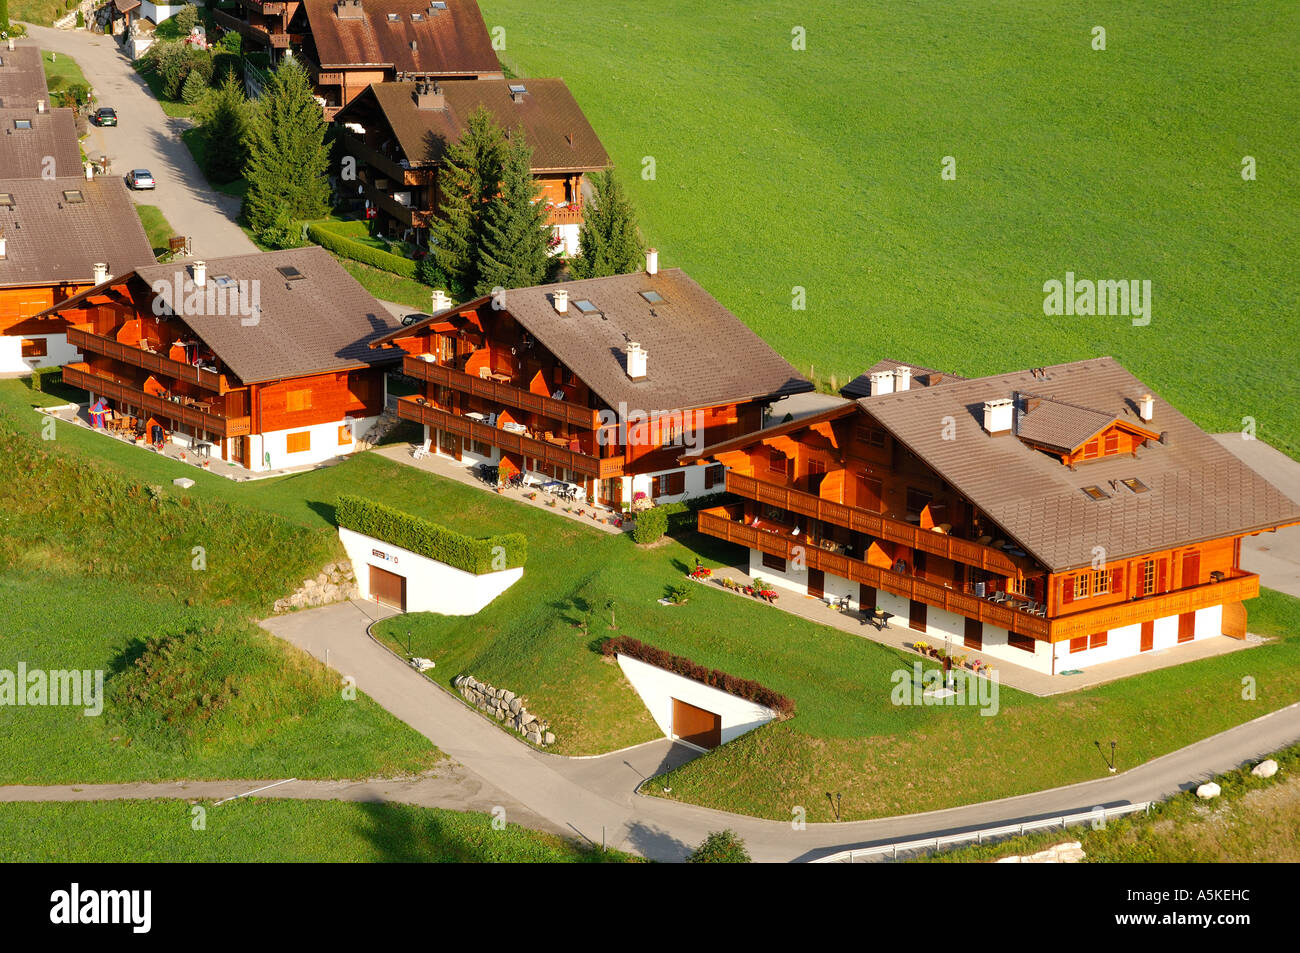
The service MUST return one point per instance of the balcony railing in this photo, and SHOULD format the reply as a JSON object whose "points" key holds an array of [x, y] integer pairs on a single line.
{"points": [[403, 213], [567, 215], [1237, 587], [86, 341], [874, 524], [500, 393], [509, 442], [390, 168], [80, 375]]}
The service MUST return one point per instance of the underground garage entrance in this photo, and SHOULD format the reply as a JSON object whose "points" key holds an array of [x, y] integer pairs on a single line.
{"points": [[388, 588], [696, 726]]}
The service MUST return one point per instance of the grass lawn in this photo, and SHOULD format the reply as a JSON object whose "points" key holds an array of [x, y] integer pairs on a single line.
{"points": [[156, 227], [255, 830], [39, 12], [820, 169], [389, 287]]}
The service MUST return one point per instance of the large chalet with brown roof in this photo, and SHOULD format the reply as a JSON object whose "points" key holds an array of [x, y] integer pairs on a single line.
{"points": [[1055, 518], [348, 44], [399, 133], [602, 383], [262, 359]]}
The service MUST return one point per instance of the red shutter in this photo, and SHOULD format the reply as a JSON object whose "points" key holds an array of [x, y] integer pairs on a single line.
{"points": [[1117, 580], [1067, 590], [1161, 575]]}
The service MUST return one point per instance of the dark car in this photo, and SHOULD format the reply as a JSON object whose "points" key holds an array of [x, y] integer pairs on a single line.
{"points": [[105, 116], [414, 318]]}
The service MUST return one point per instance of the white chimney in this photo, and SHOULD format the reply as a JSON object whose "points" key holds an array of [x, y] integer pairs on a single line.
{"points": [[882, 382], [997, 415], [652, 261], [560, 298], [441, 301], [200, 274], [1146, 407], [902, 378], [11, 44], [4, 243], [40, 105], [101, 272], [636, 361], [90, 171]]}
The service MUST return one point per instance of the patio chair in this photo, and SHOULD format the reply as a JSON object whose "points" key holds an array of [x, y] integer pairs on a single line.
{"points": [[422, 451], [998, 598]]}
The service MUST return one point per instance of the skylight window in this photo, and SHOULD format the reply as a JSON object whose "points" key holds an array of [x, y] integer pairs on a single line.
{"points": [[393, 17], [22, 124], [585, 306], [6, 200], [1096, 493], [73, 196], [417, 17], [518, 88], [1136, 485], [438, 5], [223, 281], [653, 297], [290, 273]]}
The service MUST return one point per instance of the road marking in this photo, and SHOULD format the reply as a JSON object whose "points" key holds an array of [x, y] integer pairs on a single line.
{"points": [[255, 790]]}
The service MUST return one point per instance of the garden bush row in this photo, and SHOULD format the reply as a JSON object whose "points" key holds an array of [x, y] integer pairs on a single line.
{"points": [[740, 687], [672, 518], [507, 550], [322, 235]]}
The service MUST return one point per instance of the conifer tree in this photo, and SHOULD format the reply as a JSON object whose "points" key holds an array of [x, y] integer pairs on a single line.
{"points": [[224, 131], [469, 177], [608, 240], [514, 250]]}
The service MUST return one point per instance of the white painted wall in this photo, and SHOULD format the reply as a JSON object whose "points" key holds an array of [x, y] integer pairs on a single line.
{"points": [[58, 352], [157, 12], [568, 239], [431, 586], [658, 688], [324, 444], [1127, 641]]}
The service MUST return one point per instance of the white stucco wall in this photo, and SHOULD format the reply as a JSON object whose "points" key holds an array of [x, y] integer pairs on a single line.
{"points": [[58, 352], [658, 688], [324, 444], [1127, 641], [157, 12], [568, 239], [431, 586]]}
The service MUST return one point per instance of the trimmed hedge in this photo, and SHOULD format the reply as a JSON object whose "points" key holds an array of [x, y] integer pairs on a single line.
{"points": [[320, 233], [45, 377], [681, 515], [650, 525], [429, 539], [740, 687]]}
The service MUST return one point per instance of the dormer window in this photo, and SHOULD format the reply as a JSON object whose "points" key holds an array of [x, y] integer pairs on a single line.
{"points": [[1136, 485]]}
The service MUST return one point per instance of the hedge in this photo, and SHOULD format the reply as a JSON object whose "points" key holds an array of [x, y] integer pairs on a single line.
{"points": [[681, 515], [740, 687], [320, 233], [429, 539], [44, 377], [650, 525]]}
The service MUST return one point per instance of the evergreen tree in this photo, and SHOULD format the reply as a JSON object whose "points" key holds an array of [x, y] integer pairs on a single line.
{"points": [[224, 132], [470, 176], [608, 240], [513, 253], [4, 15], [287, 155], [193, 88]]}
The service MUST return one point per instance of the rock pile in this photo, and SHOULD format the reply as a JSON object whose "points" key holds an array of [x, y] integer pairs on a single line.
{"points": [[506, 707], [1071, 852], [334, 583]]}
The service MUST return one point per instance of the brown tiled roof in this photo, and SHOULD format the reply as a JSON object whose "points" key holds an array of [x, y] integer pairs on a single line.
{"points": [[50, 239], [52, 136], [700, 354], [321, 322], [776, 430], [1197, 489], [860, 386], [450, 42], [126, 6], [22, 77], [553, 123], [1059, 424]]}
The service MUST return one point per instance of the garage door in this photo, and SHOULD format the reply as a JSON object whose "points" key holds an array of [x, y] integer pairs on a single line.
{"points": [[388, 588], [696, 725]]}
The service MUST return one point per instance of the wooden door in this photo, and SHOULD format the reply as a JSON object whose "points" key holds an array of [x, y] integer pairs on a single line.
{"points": [[974, 637], [871, 495], [916, 615], [699, 727], [1186, 626], [388, 588], [816, 583], [1191, 570], [866, 598], [1148, 636], [242, 450]]}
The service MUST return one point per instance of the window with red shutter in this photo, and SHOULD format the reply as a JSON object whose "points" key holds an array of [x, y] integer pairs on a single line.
{"points": [[1067, 589]]}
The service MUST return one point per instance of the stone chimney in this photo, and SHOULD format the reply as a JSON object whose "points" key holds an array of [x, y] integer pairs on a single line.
{"points": [[997, 415], [430, 96], [652, 261], [636, 361], [11, 44], [348, 10], [40, 105], [441, 301], [1146, 407], [200, 274], [882, 382], [101, 272], [902, 378], [560, 298]]}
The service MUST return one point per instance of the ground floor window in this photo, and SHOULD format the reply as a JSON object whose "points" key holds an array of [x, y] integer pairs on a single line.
{"points": [[1097, 640], [714, 475], [1024, 642], [669, 484], [298, 442], [773, 562], [35, 347], [1080, 644]]}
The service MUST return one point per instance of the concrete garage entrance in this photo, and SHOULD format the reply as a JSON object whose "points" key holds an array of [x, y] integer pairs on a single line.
{"points": [[388, 588], [696, 726]]}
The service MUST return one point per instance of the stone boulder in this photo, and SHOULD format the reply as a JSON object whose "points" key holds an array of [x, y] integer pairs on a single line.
{"points": [[1265, 769], [1208, 791]]}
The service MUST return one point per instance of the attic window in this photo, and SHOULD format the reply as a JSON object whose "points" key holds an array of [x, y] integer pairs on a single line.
{"points": [[73, 196], [653, 297], [223, 281], [393, 17], [1096, 493], [290, 273], [1136, 485], [585, 306], [22, 124]]}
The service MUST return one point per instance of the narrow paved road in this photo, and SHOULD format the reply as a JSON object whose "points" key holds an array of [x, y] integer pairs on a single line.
{"points": [[146, 138]]}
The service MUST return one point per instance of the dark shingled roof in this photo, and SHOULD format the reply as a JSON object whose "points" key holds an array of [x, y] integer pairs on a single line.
{"points": [[22, 78], [126, 6], [860, 386], [53, 135], [699, 353], [553, 122], [321, 322], [1058, 424], [1197, 489], [50, 239], [450, 42]]}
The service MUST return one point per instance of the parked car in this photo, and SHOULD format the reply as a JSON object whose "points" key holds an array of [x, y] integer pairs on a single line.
{"points": [[105, 116], [140, 179], [414, 318]]}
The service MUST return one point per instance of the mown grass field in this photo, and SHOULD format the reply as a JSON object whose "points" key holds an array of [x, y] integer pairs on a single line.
{"points": [[156, 227], [272, 831], [776, 168]]}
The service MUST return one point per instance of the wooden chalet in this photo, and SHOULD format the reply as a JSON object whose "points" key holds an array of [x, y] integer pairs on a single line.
{"points": [[1056, 518], [262, 360], [399, 133], [602, 383]]}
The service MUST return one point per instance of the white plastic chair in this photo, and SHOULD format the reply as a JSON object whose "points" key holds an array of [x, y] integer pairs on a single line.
{"points": [[422, 451]]}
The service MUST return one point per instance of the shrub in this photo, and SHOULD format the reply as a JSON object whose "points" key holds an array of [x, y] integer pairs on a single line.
{"points": [[428, 272], [322, 235], [231, 43], [740, 687], [650, 525], [187, 17], [678, 593], [283, 232], [45, 377], [720, 847], [81, 19], [194, 88], [429, 539], [681, 515]]}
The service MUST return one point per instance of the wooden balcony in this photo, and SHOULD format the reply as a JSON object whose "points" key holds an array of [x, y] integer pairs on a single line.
{"points": [[568, 215], [600, 468], [500, 393], [86, 341], [407, 215], [80, 375], [1237, 587], [877, 526], [376, 160], [242, 27]]}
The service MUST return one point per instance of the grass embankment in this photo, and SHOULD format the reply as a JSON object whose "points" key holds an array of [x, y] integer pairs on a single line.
{"points": [[39, 12], [821, 168], [390, 287], [156, 228], [272, 831]]}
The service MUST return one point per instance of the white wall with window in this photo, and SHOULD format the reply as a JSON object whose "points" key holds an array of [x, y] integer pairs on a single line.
{"points": [[20, 354], [304, 446]]}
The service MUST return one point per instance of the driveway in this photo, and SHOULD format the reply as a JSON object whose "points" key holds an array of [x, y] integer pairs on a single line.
{"points": [[1275, 556], [146, 138]]}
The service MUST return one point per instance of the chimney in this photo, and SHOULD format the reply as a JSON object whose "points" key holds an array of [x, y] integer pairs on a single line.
{"points": [[200, 274], [1146, 407], [636, 361], [348, 10], [101, 272], [11, 44], [441, 302], [882, 382], [40, 105], [90, 171], [430, 96], [997, 415], [413, 46], [902, 378], [652, 261], [4, 242], [560, 298], [517, 91]]}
